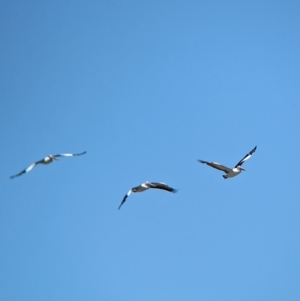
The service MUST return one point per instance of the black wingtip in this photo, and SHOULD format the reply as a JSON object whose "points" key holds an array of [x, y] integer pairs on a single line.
{"points": [[79, 154], [254, 149], [123, 201]]}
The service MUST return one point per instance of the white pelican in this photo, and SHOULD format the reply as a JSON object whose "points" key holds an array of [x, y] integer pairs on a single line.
{"points": [[46, 160], [146, 186], [230, 172]]}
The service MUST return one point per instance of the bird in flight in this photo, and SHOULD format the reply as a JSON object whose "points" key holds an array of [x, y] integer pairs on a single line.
{"points": [[146, 185], [230, 172], [45, 161]]}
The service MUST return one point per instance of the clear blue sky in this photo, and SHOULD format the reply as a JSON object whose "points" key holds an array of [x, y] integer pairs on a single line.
{"points": [[147, 88]]}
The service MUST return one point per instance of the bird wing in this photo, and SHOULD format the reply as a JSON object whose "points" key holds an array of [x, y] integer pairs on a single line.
{"points": [[29, 168], [216, 166], [163, 186], [125, 197], [248, 156], [69, 155]]}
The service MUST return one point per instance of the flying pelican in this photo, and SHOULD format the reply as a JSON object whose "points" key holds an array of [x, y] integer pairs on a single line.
{"points": [[230, 172], [46, 160], [146, 186]]}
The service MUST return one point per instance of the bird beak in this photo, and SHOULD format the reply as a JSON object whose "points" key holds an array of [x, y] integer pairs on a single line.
{"points": [[243, 169]]}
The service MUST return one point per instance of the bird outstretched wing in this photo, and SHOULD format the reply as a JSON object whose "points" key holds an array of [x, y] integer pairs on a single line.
{"points": [[216, 166], [69, 155], [125, 197], [163, 186], [248, 156], [29, 168]]}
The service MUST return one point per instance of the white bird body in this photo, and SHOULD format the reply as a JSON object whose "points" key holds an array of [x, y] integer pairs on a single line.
{"points": [[142, 187], [230, 172], [145, 186], [234, 172], [48, 159]]}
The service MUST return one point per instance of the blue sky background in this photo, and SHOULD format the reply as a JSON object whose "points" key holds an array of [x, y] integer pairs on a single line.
{"points": [[147, 88]]}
